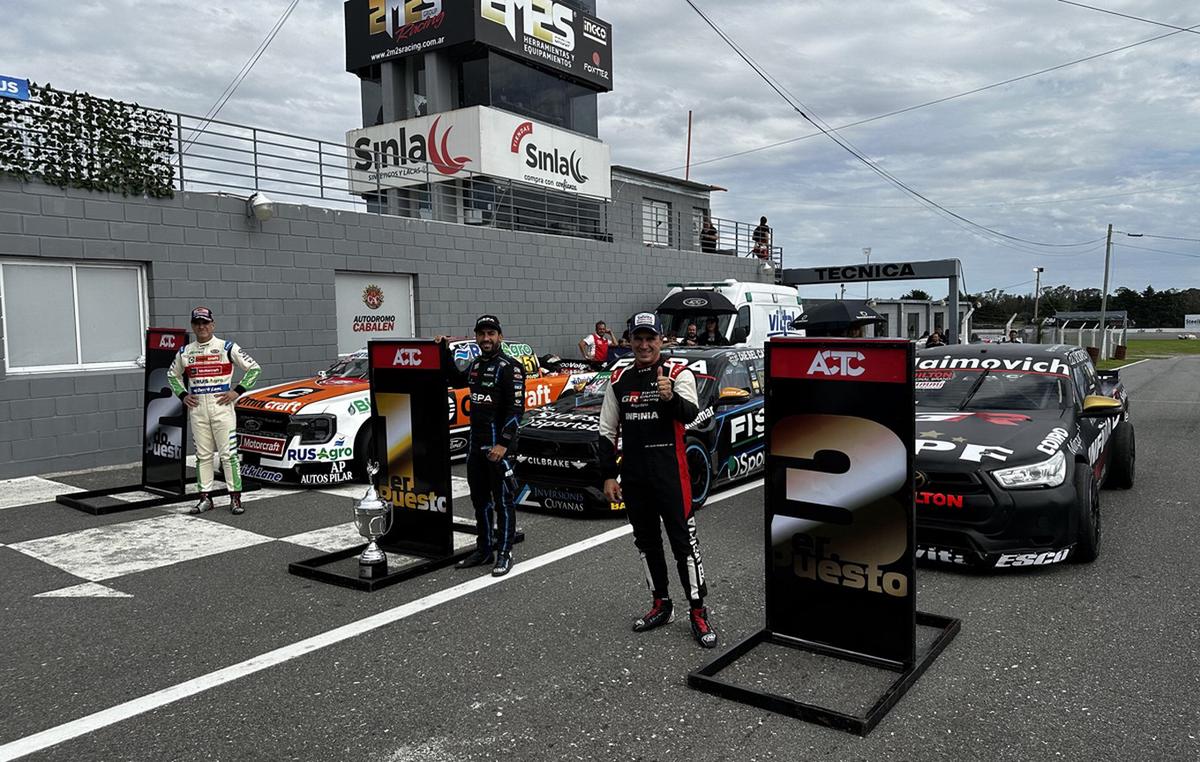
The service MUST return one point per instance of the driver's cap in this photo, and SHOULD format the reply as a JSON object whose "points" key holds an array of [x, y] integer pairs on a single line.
{"points": [[645, 321]]}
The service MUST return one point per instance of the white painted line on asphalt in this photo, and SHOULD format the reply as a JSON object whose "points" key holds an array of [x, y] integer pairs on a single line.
{"points": [[28, 490], [86, 590], [102, 719], [115, 550], [1130, 365]]}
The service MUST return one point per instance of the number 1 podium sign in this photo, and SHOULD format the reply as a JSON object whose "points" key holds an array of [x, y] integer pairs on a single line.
{"points": [[839, 544], [412, 446]]}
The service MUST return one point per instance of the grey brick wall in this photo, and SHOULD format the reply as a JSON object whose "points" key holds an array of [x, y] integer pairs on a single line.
{"points": [[271, 287]]}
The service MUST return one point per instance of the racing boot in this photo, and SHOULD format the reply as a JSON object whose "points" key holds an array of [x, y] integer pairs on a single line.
{"points": [[504, 564], [662, 612], [235, 504], [702, 631], [205, 504], [478, 558]]}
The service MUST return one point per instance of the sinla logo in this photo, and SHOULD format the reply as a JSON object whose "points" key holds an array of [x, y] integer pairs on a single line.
{"points": [[547, 161], [415, 148], [837, 362]]}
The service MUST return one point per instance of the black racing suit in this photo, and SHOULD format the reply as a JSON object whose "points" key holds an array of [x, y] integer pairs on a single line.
{"points": [[496, 385], [654, 472]]}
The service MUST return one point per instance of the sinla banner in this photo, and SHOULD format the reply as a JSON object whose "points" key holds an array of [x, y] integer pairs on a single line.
{"points": [[477, 141]]}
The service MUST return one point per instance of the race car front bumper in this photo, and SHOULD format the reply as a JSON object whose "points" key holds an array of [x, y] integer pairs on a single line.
{"points": [[967, 519]]}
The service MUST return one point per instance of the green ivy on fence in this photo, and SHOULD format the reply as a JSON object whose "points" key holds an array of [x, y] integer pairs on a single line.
{"points": [[79, 141]]}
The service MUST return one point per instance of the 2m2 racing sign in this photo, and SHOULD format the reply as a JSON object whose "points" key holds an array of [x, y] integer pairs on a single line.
{"points": [[839, 513]]}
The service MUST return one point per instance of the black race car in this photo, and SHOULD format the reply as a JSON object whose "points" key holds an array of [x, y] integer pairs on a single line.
{"points": [[1013, 443], [558, 456]]}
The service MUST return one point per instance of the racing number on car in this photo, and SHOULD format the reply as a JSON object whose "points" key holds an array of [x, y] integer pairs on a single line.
{"points": [[839, 512], [291, 394]]}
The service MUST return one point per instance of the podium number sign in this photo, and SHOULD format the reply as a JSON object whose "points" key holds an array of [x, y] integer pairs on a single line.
{"points": [[164, 434], [408, 398], [839, 519]]}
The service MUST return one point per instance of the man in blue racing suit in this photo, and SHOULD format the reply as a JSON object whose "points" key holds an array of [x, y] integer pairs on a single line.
{"points": [[496, 384]]}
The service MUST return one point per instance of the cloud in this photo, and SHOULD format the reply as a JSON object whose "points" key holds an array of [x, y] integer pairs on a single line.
{"points": [[1051, 159]]}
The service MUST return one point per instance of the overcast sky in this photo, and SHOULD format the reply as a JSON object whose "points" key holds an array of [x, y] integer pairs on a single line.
{"points": [[1051, 159]]}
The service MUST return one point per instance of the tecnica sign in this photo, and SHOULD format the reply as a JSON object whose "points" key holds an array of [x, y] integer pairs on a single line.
{"points": [[477, 141]]}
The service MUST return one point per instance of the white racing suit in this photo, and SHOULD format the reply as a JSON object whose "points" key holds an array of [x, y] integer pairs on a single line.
{"points": [[206, 370]]}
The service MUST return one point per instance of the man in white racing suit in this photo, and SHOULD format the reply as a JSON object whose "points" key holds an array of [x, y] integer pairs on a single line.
{"points": [[202, 376]]}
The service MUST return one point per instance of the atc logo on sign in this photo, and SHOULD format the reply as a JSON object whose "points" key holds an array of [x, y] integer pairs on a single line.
{"points": [[818, 360], [168, 341], [373, 296], [837, 363], [405, 356]]}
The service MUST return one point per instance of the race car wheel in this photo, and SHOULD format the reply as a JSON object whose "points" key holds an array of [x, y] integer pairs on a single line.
{"points": [[1087, 515], [364, 446], [1121, 463], [699, 470]]}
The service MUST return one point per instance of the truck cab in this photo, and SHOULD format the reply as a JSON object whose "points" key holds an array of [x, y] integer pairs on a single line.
{"points": [[748, 314]]}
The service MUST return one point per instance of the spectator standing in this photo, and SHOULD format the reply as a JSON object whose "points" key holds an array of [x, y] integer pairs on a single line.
{"points": [[708, 235], [690, 336], [762, 240], [594, 346], [712, 336]]}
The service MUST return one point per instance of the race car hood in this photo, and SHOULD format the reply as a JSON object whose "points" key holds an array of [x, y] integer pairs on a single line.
{"points": [[564, 421], [965, 441], [295, 396]]}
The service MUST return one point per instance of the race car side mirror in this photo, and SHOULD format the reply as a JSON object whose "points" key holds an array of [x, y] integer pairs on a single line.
{"points": [[732, 394], [1099, 406]]}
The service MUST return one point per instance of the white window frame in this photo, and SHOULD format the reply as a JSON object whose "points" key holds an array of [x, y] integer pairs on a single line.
{"points": [[655, 231], [79, 365]]}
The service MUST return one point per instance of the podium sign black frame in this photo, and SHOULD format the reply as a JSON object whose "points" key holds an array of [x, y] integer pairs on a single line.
{"points": [[164, 438], [839, 536], [412, 446]]}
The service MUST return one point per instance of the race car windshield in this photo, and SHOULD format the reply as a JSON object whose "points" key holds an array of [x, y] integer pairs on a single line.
{"points": [[989, 390], [351, 366]]}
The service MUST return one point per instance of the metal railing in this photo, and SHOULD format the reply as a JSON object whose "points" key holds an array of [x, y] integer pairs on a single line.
{"points": [[220, 156]]}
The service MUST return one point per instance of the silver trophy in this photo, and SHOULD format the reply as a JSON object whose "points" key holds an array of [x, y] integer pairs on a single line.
{"points": [[373, 518]]}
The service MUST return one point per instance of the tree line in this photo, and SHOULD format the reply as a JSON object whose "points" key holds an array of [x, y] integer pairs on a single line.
{"points": [[1149, 308]]}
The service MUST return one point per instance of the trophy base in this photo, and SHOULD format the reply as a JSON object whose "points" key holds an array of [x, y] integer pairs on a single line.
{"points": [[376, 570]]}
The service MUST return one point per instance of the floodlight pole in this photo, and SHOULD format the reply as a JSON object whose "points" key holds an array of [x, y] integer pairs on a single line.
{"points": [[867, 254], [1037, 295], [1104, 294]]}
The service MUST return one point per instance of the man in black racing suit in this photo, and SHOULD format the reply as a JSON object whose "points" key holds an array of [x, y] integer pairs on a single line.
{"points": [[496, 385], [648, 405]]}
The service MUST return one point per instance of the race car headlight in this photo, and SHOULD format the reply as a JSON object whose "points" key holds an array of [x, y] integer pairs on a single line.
{"points": [[1048, 473], [313, 429]]}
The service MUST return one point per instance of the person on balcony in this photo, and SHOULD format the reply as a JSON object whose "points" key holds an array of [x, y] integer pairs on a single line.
{"points": [[762, 240], [708, 235]]}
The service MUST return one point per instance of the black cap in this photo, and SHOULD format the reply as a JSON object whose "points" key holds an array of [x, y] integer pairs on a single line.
{"points": [[645, 321], [488, 321], [202, 315]]}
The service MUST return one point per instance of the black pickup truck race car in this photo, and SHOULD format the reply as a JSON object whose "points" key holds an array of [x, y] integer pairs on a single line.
{"points": [[558, 455], [1013, 443]]}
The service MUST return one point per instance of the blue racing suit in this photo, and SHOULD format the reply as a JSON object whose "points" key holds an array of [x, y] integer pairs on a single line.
{"points": [[496, 385]]}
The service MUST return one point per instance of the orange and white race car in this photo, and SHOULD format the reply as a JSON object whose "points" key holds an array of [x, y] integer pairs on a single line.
{"points": [[310, 432]]}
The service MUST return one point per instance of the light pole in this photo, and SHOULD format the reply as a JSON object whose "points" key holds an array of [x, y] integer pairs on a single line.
{"points": [[1104, 293], [1037, 295], [867, 254]]}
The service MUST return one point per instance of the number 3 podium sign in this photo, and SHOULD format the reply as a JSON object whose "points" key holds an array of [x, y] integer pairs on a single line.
{"points": [[839, 540]]}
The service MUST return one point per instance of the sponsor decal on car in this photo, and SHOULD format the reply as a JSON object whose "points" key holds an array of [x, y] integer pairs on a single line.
{"points": [[1054, 366], [261, 474], [972, 453], [938, 499], [745, 463], [704, 417], [1007, 560], [1000, 419], [339, 475], [358, 406], [564, 463], [747, 426], [1053, 441], [337, 450], [945, 555], [555, 504], [262, 445], [573, 421]]}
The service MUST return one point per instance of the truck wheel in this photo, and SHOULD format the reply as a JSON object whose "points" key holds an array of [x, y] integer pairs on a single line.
{"points": [[1121, 458], [699, 471], [1087, 515]]}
